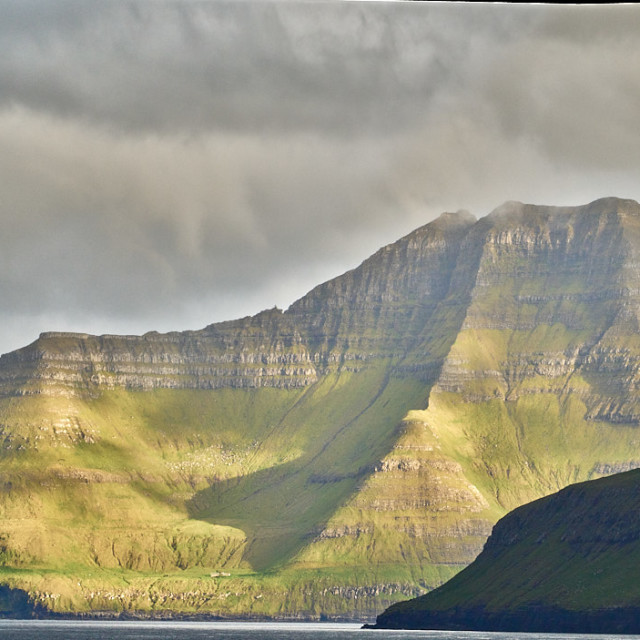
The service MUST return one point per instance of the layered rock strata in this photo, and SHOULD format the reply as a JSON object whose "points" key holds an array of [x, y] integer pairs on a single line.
{"points": [[377, 310], [369, 435]]}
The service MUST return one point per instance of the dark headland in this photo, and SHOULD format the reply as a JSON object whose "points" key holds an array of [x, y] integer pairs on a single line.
{"points": [[567, 563]]}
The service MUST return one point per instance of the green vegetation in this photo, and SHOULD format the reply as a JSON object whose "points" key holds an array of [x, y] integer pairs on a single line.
{"points": [[329, 460], [146, 484]]}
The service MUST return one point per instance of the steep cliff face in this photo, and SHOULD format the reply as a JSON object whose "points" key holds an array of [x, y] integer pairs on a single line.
{"points": [[263, 351], [547, 353], [342, 454], [561, 564], [377, 310]]}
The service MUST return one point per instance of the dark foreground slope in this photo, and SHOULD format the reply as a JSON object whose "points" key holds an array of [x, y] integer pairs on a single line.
{"points": [[569, 562], [336, 457]]}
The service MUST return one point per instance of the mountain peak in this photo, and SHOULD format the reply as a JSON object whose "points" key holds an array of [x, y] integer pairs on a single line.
{"points": [[608, 204], [508, 208], [462, 216]]}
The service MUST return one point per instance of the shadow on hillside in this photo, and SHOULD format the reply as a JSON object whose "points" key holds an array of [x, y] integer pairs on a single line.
{"points": [[283, 508], [17, 603], [280, 509]]}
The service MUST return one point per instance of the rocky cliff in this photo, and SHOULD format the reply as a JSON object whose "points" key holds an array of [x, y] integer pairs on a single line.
{"points": [[563, 564], [362, 442], [378, 310]]}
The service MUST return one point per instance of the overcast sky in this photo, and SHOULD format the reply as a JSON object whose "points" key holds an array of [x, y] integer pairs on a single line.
{"points": [[165, 165]]}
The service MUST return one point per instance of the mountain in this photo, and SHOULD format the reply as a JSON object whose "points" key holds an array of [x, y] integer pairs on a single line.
{"points": [[326, 461], [564, 564]]}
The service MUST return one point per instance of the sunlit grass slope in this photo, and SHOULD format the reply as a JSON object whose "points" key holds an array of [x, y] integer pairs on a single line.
{"points": [[134, 487]]}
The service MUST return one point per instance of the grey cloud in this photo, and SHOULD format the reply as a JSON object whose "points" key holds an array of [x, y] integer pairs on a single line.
{"points": [[252, 66], [169, 164], [122, 224], [570, 87]]}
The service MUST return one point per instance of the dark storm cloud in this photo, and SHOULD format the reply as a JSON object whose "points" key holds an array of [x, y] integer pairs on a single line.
{"points": [[168, 164]]}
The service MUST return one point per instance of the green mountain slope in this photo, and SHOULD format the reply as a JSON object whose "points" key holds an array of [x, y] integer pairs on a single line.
{"points": [[331, 459], [564, 563]]}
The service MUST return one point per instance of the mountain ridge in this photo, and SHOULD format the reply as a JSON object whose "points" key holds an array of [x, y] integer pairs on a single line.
{"points": [[361, 442], [287, 350]]}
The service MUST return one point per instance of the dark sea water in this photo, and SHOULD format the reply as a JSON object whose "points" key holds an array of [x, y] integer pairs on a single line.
{"points": [[90, 630]]}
